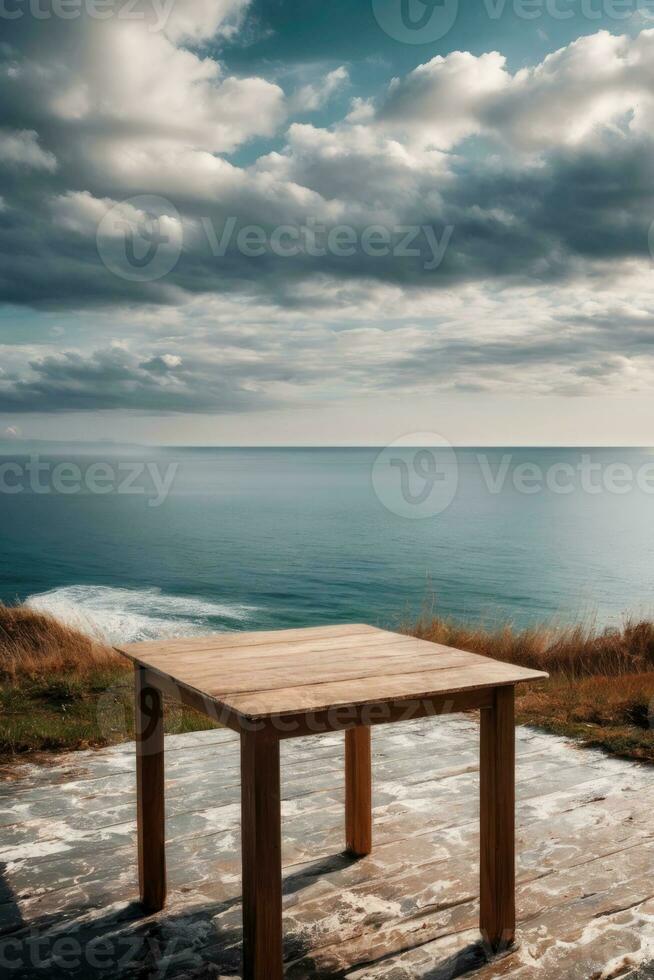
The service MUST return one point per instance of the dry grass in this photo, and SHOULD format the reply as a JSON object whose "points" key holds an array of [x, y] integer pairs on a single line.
{"points": [[601, 687], [574, 651], [60, 689], [34, 646]]}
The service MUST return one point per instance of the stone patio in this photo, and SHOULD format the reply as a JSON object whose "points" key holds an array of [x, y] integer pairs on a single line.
{"points": [[408, 912]]}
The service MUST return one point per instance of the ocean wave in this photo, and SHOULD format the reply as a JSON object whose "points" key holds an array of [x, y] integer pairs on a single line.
{"points": [[129, 615]]}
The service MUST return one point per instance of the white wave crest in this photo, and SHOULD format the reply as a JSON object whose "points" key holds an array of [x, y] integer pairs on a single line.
{"points": [[129, 615]]}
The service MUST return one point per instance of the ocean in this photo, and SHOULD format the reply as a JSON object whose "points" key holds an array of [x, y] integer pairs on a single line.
{"points": [[140, 543]]}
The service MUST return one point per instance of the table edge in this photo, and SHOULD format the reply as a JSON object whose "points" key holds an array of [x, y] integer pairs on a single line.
{"points": [[242, 718]]}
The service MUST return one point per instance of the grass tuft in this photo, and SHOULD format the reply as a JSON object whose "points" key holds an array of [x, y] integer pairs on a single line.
{"points": [[34, 646], [60, 689], [574, 651], [601, 687]]}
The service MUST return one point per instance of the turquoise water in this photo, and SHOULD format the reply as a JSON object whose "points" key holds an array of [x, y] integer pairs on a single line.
{"points": [[264, 538]]}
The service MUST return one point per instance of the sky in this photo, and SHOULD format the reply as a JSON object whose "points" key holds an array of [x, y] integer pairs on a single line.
{"points": [[274, 222]]}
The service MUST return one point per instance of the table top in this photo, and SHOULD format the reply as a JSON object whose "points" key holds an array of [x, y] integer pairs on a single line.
{"points": [[286, 672]]}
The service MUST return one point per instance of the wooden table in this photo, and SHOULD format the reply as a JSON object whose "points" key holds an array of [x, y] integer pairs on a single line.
{"points": [[274, 685]]}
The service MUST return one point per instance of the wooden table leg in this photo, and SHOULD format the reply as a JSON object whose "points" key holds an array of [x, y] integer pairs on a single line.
{"points": [[261, 842], [497, 827], [358, 790], [150, 814]]}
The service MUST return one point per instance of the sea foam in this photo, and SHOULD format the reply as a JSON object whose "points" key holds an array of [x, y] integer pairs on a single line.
{"points": [[127, 615]]}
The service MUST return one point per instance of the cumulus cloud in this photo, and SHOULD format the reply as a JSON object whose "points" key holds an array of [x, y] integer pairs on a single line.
{"points": [[445, 100], [598, 81], [123, 86]]}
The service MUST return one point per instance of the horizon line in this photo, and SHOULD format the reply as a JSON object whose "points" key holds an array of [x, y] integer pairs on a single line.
{"points": [[17, 443]]}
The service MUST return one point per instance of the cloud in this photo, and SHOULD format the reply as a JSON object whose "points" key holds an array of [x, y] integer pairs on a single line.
{"points": [[123, 86], [310, 97], [198, 20], [543, 176], [113, 378], [224, 355], [21, 148], [145, 115], [161, 363], [598, 81], [445, 100]]}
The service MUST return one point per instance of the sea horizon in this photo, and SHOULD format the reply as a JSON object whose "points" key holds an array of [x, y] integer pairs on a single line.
{"points": [[218, 538]]}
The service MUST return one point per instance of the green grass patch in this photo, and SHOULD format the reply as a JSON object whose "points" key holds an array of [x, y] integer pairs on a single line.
{"points": [[72, 712]]}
